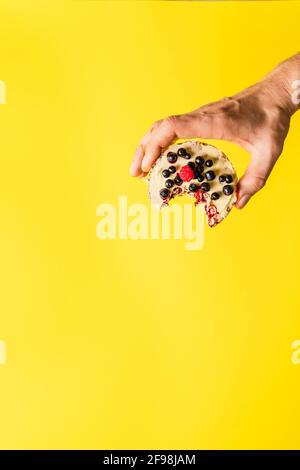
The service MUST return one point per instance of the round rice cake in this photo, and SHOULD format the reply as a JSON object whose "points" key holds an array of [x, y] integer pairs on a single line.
{"points": [[199, 170]]}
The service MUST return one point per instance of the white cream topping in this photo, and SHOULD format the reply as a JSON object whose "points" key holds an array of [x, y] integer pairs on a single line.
{"points": [[221, 166]]}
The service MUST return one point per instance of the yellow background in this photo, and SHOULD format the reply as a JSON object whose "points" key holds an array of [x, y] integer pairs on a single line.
{"points": [[139, 344]]}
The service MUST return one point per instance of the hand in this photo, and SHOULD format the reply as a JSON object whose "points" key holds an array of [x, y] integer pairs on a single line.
{"points": [[257, 119]]}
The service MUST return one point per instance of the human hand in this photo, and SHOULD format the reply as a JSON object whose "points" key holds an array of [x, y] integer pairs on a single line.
{"points": [[257, 119]]}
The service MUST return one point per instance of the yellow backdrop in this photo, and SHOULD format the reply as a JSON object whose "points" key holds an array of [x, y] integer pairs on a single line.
{"points": [[139, 344]]}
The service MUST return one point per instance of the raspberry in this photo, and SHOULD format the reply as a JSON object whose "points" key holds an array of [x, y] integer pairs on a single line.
{"points": [[199, 196], [211, 211], [212, 221], [186, 173], [177, 191]]}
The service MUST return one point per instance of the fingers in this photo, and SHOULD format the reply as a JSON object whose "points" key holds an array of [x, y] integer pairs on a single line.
{"points": [[135, 169], [247, 187], [164, 132], [160, 137], [255, 177]]}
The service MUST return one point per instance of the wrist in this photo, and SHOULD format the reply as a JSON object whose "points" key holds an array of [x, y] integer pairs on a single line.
{"points": [[282, 85]]}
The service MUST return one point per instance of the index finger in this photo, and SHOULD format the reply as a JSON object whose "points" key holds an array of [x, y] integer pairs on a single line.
{"points": [[161, 136], [135, 169]]}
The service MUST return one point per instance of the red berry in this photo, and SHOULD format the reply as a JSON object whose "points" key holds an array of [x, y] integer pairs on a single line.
{"points": [[212, 221], [211, 211], [199, 196], [186, 173]]}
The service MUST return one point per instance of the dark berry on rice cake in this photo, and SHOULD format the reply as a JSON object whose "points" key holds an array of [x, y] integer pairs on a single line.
{"points": [[202, 171]]}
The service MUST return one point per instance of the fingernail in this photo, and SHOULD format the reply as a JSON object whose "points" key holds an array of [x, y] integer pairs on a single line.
{"points": [[243, 201]]}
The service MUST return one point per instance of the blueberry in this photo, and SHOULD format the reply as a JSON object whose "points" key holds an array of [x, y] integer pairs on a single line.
{"points": [[193, 187], [222, 178], [210, 175], [164, 193], [187, 156], [197, 172], [178, 180], [200, 178], [172, 169], [215, 196], [199, 160], [205, 187], [181, 152], [169, 183], [209, 163], [166, 173], [191, 165], [228, 179], [228, 190], [172, 157], [200, 168]]}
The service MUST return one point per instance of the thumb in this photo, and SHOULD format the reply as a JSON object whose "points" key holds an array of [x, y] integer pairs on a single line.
{"points": [[255, 177]]}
